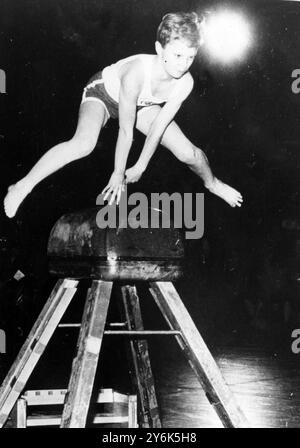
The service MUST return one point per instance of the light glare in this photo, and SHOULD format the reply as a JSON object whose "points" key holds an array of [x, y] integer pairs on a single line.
{"points": [[227, 36]]}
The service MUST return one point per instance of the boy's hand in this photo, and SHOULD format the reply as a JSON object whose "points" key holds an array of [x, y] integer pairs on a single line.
{"points": [[134, 173], [114, 188]]}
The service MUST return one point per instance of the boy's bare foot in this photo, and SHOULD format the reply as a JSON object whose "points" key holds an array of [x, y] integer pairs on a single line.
{"points": [[225, 192], [15, 196]]}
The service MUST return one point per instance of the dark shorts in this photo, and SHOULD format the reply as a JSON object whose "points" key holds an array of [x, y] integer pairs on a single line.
{"points": [[95, 91]]}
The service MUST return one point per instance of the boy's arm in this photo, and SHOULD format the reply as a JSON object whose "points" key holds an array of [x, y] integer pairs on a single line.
{"points": [[157, 129], [130, 85]]}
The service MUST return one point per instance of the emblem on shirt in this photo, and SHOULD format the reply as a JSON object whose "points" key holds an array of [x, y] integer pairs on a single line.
{"points": [[146, 103]]}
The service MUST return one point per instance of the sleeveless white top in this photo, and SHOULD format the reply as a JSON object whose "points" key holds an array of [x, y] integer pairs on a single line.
{"points": [[111, 80]]}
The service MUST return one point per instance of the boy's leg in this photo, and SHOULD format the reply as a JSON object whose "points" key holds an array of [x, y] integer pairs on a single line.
{"points": [[174, 140], [92, 117]]}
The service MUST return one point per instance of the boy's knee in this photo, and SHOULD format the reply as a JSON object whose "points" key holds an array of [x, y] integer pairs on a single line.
{"points": [[84, 145], [192, 155]]}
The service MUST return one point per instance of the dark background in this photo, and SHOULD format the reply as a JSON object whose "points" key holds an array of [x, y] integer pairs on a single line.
{"points": [[241, 277]]}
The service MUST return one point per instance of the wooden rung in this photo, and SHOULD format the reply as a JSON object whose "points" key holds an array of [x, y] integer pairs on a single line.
{"points": [[129, 332], [110, 419], [141, 333], [46, 397], [78, 325], [55, 420]]}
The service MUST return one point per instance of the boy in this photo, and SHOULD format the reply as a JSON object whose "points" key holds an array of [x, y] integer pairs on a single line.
{"points": [[145, 91]]}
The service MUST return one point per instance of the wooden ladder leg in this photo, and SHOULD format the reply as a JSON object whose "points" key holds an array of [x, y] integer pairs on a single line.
{"points": [[35, 345], [21, 413], [132, 411], [143, 376], [198, 355], [85, 364]]}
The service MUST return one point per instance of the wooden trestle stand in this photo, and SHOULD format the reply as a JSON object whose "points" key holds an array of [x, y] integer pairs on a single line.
{"points": [[79, 249]]}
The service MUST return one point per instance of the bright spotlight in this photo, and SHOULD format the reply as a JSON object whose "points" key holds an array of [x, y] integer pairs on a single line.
{"points": [[227, 36]]}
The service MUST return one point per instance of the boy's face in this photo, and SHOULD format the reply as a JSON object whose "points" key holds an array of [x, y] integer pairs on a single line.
{"points": [[176, 57]]}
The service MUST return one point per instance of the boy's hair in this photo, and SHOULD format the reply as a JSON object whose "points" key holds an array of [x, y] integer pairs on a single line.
{"points": [[180, 25]]}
